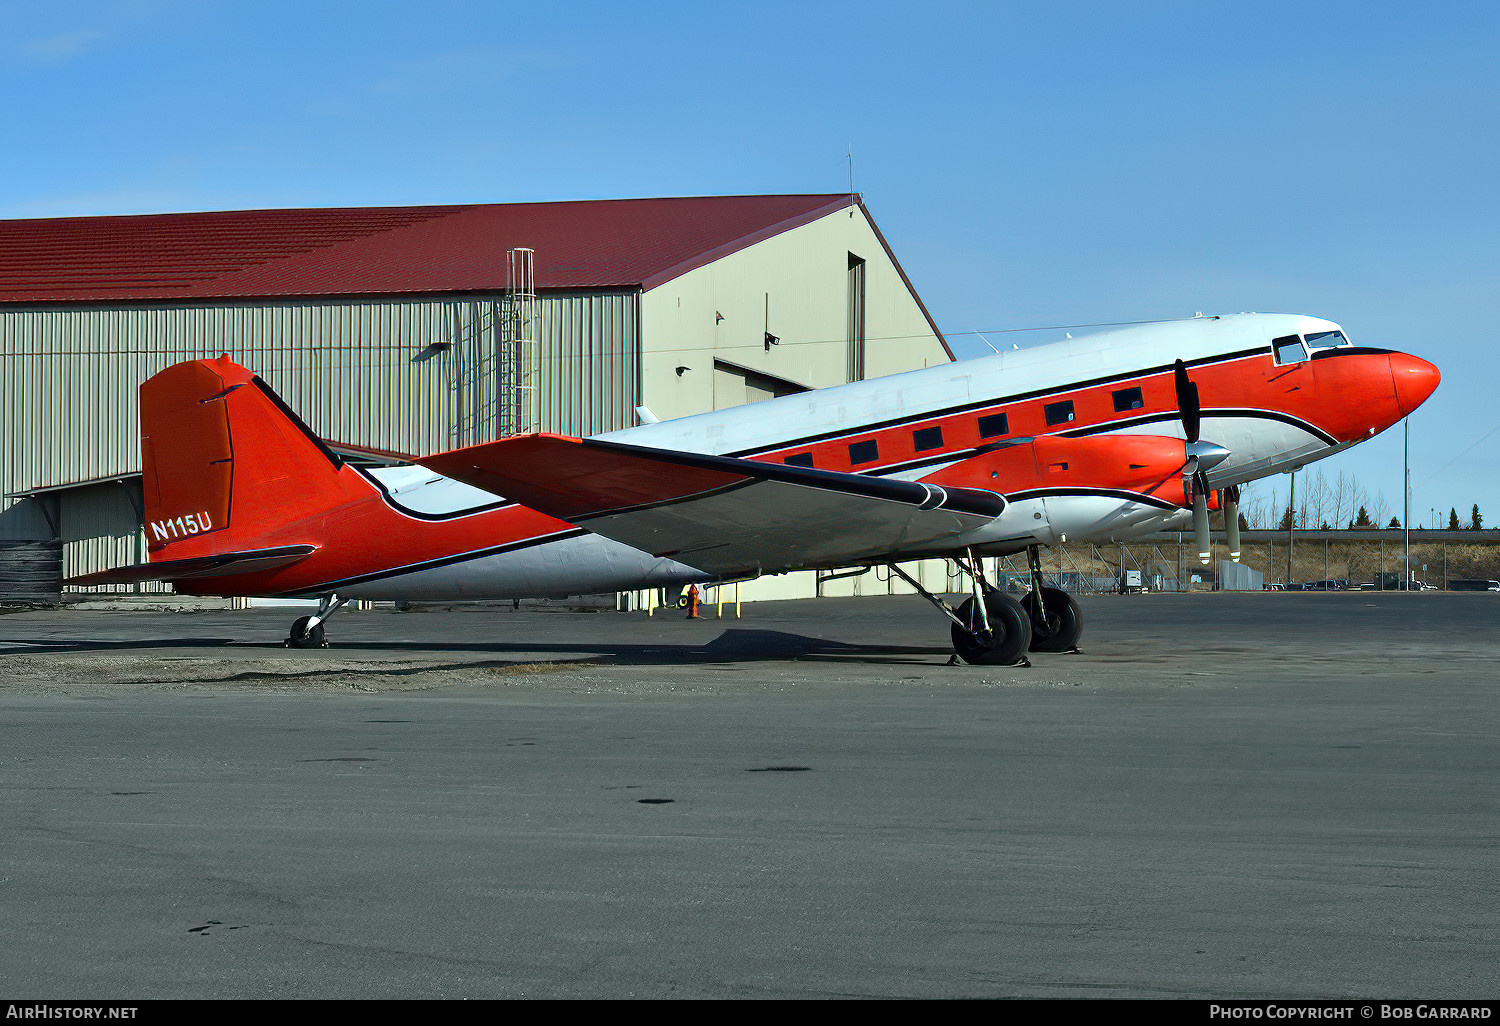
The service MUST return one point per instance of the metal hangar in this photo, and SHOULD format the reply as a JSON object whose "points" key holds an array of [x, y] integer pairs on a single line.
{"points": [[412, 330]]}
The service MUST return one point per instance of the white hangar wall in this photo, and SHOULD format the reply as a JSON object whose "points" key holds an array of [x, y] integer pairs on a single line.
{"points": [[795, 286]]}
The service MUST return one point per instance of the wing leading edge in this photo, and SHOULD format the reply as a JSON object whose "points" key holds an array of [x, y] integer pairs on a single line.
{"points": [[724, 515]]}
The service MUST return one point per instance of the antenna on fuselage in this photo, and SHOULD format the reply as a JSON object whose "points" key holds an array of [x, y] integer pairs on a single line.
{"points": [[988, 342]]}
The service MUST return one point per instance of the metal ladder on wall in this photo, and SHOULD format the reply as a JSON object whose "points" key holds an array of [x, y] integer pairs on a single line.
{"points": [[495, 368], [517, 398]]}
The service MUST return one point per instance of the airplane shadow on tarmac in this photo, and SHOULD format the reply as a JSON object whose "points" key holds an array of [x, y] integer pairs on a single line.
{"points": [[731, 646]]}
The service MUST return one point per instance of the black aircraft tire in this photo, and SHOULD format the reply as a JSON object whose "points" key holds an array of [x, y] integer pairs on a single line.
{"points": [[1067, 621], [301, 637], [1010, 633]]}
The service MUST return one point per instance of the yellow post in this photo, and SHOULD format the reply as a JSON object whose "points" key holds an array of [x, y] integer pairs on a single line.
{"points": [[736, 600], [650, 601], [719, 601]]}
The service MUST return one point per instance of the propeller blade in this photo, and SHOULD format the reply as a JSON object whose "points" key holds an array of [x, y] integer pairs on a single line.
{"points": [[1231, 506], [1200, 517], [1187, 400]]}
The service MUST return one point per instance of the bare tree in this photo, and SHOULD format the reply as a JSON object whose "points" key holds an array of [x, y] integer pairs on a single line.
{"points": [[1260, 508], [1341, 496], [1318, 493]]}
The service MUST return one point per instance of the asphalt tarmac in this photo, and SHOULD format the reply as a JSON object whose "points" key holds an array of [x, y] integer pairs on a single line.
{"points": [[1225, 796]]}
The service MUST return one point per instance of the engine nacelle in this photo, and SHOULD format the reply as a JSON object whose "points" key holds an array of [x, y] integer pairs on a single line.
{"points": [[1052, 465]]}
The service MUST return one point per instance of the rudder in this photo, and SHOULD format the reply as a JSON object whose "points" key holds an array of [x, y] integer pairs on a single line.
{"points": [[225, 462]]}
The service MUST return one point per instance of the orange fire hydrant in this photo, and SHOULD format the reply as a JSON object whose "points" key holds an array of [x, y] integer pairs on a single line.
{"points": [[692, 602]]}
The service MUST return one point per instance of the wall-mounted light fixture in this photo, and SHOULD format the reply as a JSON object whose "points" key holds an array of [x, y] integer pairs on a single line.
{"points": [[433, 349]]}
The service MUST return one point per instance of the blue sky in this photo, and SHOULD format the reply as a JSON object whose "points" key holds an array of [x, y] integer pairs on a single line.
{"points": [[1031, 164]]}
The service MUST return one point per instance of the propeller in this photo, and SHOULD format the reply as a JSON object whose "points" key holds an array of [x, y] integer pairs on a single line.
{"points": [[1201, 457], [1187, 401], [1231, 506]]}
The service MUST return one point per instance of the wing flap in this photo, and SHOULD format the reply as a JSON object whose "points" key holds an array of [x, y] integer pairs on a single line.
{"points": [[221, 565], [721, 514]]}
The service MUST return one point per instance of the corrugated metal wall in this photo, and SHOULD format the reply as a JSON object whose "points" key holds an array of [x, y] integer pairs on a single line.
{"points": [[69, 378], [581, 377], [101, 528], [590, 362]]}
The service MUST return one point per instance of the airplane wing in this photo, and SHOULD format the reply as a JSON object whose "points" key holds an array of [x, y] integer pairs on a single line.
{"points": [[220, 565], [721, 514]]}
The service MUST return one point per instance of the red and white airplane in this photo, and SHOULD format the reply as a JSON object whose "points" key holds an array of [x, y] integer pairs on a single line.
{"points": [[1111, 436]]}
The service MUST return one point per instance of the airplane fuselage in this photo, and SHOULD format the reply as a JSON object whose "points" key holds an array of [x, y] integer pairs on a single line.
{"points": [[1078, 436]]}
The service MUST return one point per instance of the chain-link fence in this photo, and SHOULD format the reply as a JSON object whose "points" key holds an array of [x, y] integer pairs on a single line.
{"points": [[1353, 559]]}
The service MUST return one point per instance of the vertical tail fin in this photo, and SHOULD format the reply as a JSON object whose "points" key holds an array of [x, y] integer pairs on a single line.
{"points": [[226, 463]]}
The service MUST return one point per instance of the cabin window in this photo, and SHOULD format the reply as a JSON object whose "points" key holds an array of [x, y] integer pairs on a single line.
{"points": [[1128, 399], [923, 439], [993, 426], [1288, 349], [802, 459], [867, 451], [1058, 413]]}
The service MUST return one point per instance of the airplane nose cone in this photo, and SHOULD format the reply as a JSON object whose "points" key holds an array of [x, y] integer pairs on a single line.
{"points": [[1415, 379]]}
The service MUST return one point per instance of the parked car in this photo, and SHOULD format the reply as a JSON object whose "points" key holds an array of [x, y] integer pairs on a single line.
{"points": [[1331, 585], [1473, 584], [1393, 582]]}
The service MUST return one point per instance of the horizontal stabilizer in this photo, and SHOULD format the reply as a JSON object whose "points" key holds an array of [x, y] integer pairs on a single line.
{"points": [[720, 514], [221, 565]]}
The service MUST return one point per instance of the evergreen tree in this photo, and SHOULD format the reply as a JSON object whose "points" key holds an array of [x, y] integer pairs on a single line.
{"points": [[1244, 522], [1363, 520], [1453, 524], [1395, 522], [1286, 520], [1476, 522]]}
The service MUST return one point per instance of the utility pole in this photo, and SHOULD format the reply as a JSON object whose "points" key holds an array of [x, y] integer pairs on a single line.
{"points": [[1406, 498], [1291, 524]]}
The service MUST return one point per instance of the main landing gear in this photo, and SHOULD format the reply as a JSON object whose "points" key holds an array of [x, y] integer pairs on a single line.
{"points": [[992, 629], [307, 631], [1056, 620]]}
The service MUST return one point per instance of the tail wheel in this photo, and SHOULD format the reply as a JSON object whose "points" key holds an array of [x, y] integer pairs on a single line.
{"points": [[1008, 638], [1062, 626], [301, 637]]}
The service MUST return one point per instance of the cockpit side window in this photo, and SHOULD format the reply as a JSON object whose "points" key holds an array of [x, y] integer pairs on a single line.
{"points": [[1326, 340], [1288, 349]]}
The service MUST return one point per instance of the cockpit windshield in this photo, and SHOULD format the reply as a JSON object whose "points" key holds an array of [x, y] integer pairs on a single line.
{"points": [[1288, 349], [1326, 340]]}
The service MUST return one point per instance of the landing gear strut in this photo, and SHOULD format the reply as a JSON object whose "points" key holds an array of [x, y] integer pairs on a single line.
{"points": [[1056, 620], [307, 631], [989, 628]]}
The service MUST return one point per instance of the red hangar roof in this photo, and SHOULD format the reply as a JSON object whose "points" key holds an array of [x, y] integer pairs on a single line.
{"points": [[385, 250]]}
